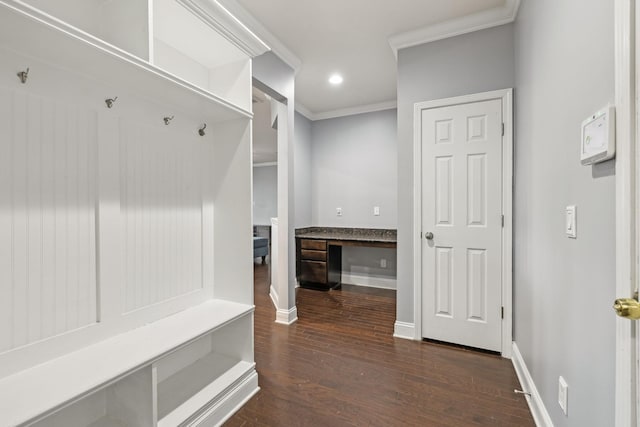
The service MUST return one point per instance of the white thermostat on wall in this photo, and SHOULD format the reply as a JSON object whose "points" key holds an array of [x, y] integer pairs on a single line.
{"points": [[599, 137]]}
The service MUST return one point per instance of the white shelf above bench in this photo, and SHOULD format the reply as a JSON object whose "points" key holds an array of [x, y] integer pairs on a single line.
{"points": [[52, 385], [24, 29]]}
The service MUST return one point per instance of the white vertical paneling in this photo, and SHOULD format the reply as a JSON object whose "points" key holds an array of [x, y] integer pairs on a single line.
{"points": [[34, 237], [47, 168], [47, 222], [161, 201], [61, 226], [20, 267], [477, 190], [444, 277], [6, 209], [71, 158], [477, 284], [444, 188]]}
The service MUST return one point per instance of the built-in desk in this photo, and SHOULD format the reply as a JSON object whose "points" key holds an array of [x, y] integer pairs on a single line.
{"points": [[319, 252]]}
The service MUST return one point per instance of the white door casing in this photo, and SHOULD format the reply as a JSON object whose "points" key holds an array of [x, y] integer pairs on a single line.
{"points": [[462, 207], [463, 171], [627, 197]]}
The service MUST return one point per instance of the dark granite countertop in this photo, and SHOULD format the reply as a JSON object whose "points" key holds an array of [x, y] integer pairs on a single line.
{"points": [[354, 234]]}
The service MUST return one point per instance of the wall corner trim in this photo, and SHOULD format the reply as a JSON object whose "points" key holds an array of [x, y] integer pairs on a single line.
{"points": [[536, 405], [404, 330], [467, 24], [287, 317]]}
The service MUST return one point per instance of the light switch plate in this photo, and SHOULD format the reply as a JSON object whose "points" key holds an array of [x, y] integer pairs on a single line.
{"points": [[339, 211], [571, 222], [376, 210]]}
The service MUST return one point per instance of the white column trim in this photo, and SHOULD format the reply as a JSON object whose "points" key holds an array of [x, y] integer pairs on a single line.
{"points": [[404, 330], [626, 233], [287, 317]]}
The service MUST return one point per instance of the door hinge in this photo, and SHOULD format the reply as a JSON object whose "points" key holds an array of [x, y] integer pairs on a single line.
{"points": [[502, 312], [502, 221], [503, 129]]}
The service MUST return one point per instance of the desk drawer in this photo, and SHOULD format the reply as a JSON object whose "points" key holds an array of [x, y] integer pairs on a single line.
{"points": [[318, 245], [313, 271], [313, 255]]}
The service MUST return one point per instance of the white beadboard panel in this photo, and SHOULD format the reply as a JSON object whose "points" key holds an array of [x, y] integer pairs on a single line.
{"points": [[161, 194], [48, 164]]}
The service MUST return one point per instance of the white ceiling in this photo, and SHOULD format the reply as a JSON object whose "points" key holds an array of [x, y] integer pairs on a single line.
{"points": [[352, 37]]}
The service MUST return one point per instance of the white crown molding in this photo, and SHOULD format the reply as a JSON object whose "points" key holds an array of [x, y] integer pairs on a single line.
{"points": [[304, 111], [351, 111], [455, 27], [224, 22], [343, 112], [263, 33]]}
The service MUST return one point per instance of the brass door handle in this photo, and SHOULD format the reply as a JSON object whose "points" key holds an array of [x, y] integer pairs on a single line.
{"points": [[629, 308]]}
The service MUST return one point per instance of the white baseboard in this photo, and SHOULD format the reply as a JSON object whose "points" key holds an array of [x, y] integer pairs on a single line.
{"points": [[221, 410], [275, 299], [287, 317], [404, 330], [536, 405], [370, 281]]}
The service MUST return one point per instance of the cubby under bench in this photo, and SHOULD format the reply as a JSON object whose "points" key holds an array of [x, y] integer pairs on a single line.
{"points": [[192, 368]]}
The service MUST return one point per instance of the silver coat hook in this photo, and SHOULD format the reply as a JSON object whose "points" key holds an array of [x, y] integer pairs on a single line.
{"points": [[110, 101], [167, 120], [201, 130], [23, 75]]}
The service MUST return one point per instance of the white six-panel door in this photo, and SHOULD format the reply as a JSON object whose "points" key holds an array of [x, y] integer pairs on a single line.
{"points": [[462, 209]]}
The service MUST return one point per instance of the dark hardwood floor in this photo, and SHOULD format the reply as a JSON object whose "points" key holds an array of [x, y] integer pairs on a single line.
{"points": [[339, 365]]}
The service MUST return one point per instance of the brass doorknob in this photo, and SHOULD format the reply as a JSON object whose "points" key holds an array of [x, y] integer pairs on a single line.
{"points": [[628, 308]]}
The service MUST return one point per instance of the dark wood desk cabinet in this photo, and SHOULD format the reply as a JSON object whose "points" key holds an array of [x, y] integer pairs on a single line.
{"points": [[319, 252], [319, 264]]}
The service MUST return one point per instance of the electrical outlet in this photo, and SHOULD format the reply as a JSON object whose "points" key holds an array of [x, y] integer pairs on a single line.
{"points": [[563, 394], [383, 263], [339, 211], [376, 210]]}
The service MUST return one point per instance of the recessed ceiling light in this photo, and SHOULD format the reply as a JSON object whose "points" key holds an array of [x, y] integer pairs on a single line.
{"points": [[335, 79]]}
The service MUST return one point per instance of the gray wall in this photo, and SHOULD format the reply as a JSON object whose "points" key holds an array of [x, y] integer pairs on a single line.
{"points": [[302, 171], [466, 64], [354, 167], [265, 194], [564, 288]]}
